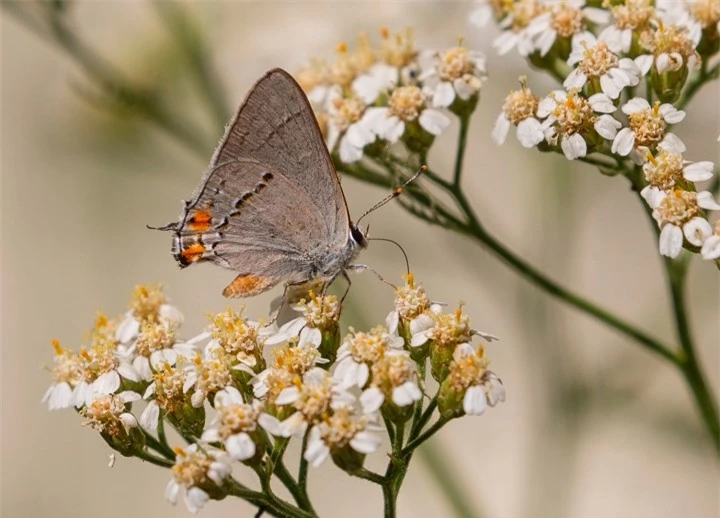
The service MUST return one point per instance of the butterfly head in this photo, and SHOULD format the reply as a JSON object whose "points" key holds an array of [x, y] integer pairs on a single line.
{"points": [[358, 235]]}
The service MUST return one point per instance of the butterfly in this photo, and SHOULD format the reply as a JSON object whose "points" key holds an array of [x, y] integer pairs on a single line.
{"points": [[270, 206]]}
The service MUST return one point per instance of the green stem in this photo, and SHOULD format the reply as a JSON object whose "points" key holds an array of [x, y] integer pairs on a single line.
{"points": [[271, 505], [677, 273], [303, 469], [460, 154], [366, 474], [160, 447], [152, 459], [424, 418], [414, 443]]}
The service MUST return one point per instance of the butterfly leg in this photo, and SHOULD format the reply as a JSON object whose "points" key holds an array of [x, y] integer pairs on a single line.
{"points": [[276, 307]]}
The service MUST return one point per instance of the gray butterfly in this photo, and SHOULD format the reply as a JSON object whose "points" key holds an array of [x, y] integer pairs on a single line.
{"points": [[270, 205]]}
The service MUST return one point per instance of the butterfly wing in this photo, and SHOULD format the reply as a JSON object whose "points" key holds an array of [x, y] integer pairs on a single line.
{"points": [[271, 197], [276, 125]]}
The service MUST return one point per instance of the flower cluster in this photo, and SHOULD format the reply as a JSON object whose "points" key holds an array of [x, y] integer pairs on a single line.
{"points": [[625, 69], [241, 389], [372, 97]]}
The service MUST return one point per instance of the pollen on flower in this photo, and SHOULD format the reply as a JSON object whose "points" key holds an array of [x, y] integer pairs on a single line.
{"points": [[467, 371], [573, 114], [455, 63], [567, 20], [411, 301], [391, 371], [98, 360], [314, 401], [277, 380], [632, 14], [237, 418], [214, 372], [406, 102], [339, 429], [520, 104], [648, 125], [671, 40], [103, 415], [369, 347], [295, 360], [67, 366], [146, 301], [235, 335], [598, 60], [191, 467], [664, 171], [169, 387], [523, 12], [678, 207], [154, 337], [706, 12], [321, 312], [451, 329], [346, 111], [398, 49]]}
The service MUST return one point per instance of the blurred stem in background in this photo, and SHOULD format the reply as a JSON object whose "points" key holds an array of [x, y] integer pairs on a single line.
{"points": [[49, 20]]}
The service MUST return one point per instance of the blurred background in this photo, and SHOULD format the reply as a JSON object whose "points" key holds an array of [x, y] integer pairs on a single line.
{"points": [[593, 425]]}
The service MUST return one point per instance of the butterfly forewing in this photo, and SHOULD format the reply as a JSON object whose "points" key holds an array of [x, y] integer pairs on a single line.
{"points": [[271, 199], [276, 125]]}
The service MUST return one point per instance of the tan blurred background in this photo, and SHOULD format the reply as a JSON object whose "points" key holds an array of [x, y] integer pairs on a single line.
{"points": [[594, 426]]}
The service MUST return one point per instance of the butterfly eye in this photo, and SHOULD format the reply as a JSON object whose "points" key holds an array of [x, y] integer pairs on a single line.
{"points": [[358, 236]]}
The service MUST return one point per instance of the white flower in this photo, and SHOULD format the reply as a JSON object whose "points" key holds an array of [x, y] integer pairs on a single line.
{"points": [[67, 373], [468, 376], [631, 16], [318, 394], [349, 128], [520, 109], [236, 424], [648, 127], [596, 62], [194, 467], [380, 78], [107, 414], [711, 247], [406, 104], [208, 373], [671, 48], [394, 377], [343, 429], [570, 116], [515, 26], [678, 215], [459, 72], [359, 352], [667, 170], [565, 19]]}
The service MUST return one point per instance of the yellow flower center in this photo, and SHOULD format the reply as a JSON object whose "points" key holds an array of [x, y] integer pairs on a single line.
{"points": [[678, 207], [648, 125], [406, 102], [573, 114], [191, 468], [567, 20], [520, 105], [597, 60], [664, 171]]}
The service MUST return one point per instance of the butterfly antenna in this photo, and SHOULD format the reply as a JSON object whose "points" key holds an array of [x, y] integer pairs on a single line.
{"points": [[407, 261], [397, 192]]}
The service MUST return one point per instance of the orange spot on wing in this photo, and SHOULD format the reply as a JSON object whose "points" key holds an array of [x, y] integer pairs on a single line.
{"points": [[247, 286], [200, 221], [192, 253]]}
